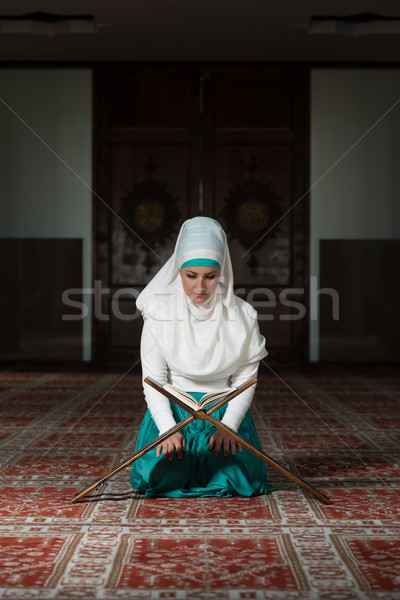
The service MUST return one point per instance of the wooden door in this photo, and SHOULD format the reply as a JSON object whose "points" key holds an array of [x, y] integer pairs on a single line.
{"points": [[255, 183], [174, 142], [147, 143]]}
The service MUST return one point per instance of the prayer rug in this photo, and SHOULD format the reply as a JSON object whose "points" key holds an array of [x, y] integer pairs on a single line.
{"points": [[336, 427]]}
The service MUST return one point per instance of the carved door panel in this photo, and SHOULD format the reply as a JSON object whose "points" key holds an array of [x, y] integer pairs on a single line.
{"points": [[147, 143], [256, 180], [225, 142]]}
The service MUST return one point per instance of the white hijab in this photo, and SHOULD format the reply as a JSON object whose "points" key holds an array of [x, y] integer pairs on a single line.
{"points": [[201, 341]]}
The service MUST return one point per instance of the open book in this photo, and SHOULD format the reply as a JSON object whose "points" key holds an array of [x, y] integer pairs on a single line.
{"points": [[206, 400]]}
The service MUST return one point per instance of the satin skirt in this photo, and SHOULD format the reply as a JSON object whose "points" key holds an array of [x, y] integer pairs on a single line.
{"points": [[199, 472]]}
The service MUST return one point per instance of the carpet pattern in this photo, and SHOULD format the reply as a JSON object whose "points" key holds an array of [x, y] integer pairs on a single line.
{"points": [[336, 427]]}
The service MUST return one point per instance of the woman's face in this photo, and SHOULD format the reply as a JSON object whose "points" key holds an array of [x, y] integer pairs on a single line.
{"points": [[199, 283]]}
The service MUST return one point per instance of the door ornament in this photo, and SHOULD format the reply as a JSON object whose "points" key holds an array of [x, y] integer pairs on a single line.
{"points": [[151, 211], [250, 210]]}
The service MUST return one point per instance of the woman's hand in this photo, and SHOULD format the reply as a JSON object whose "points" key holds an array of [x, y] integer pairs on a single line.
{"points": [[222, 441], [175, 443]]}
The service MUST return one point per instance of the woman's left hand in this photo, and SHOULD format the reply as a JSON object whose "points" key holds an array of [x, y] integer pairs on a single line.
{"points": [[222, 441]]}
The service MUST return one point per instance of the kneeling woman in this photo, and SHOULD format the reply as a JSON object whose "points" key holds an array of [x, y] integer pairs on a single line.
{"points": [[201, 338]]}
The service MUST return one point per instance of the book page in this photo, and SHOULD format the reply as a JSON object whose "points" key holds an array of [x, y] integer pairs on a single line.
{"points": [[211, 398], [216, 395], [186, 398], [190, 401]]}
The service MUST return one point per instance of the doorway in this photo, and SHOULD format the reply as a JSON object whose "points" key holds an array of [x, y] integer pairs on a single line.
{"points": [[176, 141]]}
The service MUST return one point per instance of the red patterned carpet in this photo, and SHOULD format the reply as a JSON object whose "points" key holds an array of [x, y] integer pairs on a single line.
{"points": [[338, 428]]}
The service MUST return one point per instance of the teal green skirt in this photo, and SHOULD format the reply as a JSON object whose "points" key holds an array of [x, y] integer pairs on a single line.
{"points": [[199, 472]]}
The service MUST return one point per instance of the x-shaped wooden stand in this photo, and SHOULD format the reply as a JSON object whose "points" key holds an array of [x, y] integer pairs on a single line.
{"points": [[206, 416]]}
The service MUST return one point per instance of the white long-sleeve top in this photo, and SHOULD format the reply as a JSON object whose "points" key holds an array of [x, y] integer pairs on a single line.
{"points": [[155, 366]]}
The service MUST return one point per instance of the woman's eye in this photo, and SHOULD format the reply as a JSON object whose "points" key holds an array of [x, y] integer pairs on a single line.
{"points": [[190, 276], [210, 276]]}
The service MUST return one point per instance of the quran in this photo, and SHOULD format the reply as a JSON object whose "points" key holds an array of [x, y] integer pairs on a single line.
{"points": [[206, 400]]}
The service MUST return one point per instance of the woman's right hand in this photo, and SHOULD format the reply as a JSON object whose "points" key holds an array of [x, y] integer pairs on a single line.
{"points": [[174, 444]]}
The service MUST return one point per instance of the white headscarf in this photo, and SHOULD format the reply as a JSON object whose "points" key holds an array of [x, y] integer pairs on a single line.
{"points": [[201, 341]]}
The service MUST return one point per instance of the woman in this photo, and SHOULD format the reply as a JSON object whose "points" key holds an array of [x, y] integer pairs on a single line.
{"points": [[201, 338]]}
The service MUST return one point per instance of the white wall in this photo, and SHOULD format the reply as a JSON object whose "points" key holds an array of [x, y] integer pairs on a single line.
{"points": [[46, 159], [355, 161]]}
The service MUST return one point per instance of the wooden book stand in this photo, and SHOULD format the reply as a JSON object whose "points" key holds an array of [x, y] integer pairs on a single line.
{"points": [[204, 415]]}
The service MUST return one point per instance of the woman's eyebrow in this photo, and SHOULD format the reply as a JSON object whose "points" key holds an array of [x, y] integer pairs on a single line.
{"points": [[208, 272]]}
